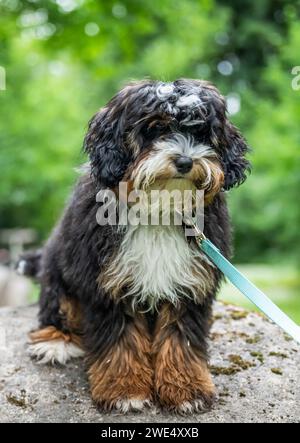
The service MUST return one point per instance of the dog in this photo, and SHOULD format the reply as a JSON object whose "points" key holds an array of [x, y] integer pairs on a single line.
{"points": [[137, 301]]}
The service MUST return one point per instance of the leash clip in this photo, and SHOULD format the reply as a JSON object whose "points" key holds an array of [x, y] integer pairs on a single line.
{"points": [[199, 237]]}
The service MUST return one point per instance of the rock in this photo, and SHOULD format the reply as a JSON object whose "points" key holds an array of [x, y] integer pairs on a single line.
{"points": [[255, 367]]}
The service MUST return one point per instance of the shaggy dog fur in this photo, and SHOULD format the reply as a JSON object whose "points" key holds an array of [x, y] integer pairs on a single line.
{"points": [[138, 301]]}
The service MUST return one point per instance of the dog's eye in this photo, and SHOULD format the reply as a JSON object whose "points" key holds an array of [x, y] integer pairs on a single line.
{"points": [[155, 130]]}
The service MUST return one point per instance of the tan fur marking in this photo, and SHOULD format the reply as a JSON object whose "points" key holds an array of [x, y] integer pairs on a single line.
{"points": [[125, 372], [198, 175], [181, 375], [50, 333], [72, 314], [70, 311]]}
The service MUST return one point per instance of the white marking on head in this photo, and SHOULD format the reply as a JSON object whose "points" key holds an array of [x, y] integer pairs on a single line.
{"points": [[187, 122], [164, 90], [188, 101], [55, 351]]}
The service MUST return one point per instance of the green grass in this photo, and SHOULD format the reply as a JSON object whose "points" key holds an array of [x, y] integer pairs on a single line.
{"points": [[280, 283], [34, 295]]}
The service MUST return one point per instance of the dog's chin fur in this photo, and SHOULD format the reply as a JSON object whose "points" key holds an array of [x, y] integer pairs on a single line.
{"points": [[179, 184], [167, 197]]}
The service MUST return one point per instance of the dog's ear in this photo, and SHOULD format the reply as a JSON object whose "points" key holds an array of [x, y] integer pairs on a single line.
{"points": [[105, 146], [233, 153]]}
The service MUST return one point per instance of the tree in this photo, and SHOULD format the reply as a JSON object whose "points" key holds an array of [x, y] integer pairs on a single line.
{"points": [[65, 59]]}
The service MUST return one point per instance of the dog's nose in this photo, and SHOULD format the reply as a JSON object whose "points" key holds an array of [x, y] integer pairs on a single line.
{"points": [[184, 164]]}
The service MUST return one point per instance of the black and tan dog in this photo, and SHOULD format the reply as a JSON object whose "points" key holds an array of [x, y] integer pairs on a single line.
{"points": [[138, 301]]}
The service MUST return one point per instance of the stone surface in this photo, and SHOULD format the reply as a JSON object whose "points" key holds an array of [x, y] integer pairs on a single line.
{"points": [[255, 366]]}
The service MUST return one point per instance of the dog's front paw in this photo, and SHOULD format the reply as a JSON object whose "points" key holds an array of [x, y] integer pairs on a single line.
{"points": [[115, 385], [183, 383], [132, 405], [200, 404], [123, 405], [186, 399]]}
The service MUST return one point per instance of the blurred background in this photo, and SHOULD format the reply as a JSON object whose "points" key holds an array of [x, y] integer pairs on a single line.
{"points": [[63, 59]]}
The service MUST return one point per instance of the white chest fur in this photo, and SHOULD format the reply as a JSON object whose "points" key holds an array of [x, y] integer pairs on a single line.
{"points": [[156, 263]]}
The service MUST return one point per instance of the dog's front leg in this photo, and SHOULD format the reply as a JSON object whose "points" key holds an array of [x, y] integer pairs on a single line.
{"points": [[120, 372], [182, 379]]}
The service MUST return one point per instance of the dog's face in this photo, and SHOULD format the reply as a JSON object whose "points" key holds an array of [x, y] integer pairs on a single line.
{"points": [[152, 130]]}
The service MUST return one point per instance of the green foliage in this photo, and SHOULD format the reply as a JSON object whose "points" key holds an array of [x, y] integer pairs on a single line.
{"points": [[65, 58], [267, 210]]}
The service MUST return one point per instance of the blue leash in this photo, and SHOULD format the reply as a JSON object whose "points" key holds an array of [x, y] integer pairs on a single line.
{"points": [[254, 294]]}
